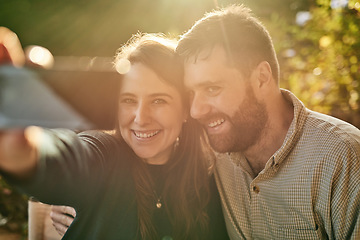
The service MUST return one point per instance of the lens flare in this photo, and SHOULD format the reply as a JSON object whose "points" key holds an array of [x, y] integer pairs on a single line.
{"points": [[123, 66], [40, 56]]}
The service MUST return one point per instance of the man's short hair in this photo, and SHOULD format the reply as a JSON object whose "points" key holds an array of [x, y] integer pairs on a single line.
{"points": [[242, 35]]}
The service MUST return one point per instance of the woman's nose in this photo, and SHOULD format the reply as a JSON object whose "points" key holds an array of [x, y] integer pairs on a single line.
{"points": [[142, 114]]}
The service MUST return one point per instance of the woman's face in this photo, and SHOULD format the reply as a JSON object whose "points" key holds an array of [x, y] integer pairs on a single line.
{"points": [[151, 114]]}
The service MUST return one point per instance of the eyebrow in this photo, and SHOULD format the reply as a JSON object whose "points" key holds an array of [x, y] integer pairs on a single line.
{"points": [[208, 83], [161, 95], [154, 95]]}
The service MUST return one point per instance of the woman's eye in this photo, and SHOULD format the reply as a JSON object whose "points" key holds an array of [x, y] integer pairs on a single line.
{"points": [[159, 101], [128, 100]]}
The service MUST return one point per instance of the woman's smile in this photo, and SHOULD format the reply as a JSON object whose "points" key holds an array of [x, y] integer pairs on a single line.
{"points": [[142, 135]]}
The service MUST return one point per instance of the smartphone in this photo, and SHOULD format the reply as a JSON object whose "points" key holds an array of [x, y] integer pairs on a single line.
{"points": [[78, 99]]}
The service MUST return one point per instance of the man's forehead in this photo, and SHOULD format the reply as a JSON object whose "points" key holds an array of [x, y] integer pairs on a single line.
{"points": [[207, 68], [202, 54], [199, 75], [215, 55]]}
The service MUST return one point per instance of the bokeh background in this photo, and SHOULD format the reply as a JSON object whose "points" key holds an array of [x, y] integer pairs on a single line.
{"points": [[94, 27], [317, 41]]}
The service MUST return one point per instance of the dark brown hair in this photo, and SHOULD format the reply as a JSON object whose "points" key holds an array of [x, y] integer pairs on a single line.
{"points": [[186, 190], [243, 37]]}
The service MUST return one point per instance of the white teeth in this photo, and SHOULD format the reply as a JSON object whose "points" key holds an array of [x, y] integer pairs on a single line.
{"points": [[145, 135], [216, 123]]}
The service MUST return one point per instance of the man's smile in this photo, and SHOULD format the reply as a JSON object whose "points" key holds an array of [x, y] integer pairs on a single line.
{"points": [[216, 123]]}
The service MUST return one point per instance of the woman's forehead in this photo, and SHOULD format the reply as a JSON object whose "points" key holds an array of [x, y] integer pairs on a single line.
{"points": [[143, 80]]}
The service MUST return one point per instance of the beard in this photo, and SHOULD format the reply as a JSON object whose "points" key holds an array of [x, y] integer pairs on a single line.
{"points": [[247, 126]]}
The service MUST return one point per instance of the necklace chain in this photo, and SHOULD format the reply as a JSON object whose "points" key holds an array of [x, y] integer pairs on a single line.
{"points": [[158, 202]]}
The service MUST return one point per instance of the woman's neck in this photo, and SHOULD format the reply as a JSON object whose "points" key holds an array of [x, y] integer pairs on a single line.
{"points": [[159, 159]]}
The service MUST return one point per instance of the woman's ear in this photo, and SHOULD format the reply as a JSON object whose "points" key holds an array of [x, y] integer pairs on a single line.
{"points": [[264, 73]]}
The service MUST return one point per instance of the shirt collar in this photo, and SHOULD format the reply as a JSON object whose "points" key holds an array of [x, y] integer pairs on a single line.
{"points": [[295, 129]]}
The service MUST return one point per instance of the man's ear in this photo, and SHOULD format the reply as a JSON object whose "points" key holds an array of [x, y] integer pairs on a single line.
{"points": [[264, 73]]}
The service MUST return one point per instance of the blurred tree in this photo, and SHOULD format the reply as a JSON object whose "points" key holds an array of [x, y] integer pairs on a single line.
{"points": [[13, 209], [320, 59]]}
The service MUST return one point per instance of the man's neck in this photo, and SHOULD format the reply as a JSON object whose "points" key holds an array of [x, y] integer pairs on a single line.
{"points": [[272, 137]]}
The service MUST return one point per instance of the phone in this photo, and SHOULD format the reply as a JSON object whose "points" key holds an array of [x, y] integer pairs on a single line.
{"points": [[72, 98]]}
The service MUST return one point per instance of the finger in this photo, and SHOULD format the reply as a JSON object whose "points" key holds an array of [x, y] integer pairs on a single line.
{"points": [[69, 210], [61, 218], [61, 229], [64, 209], [55, 208]]}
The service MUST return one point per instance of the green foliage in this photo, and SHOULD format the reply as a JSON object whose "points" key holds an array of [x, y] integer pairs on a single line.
{"points": [[94, 27], [325, 71], [13, 209]]}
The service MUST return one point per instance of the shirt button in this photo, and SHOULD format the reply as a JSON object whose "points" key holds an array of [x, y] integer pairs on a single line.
{"points": [[256, 189]]}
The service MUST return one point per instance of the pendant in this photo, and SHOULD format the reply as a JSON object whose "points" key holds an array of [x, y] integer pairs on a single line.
{"points": [[158, 204]]}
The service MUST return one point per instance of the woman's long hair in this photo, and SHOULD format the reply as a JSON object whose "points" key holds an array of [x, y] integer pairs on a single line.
{"points": [[186, 189]]}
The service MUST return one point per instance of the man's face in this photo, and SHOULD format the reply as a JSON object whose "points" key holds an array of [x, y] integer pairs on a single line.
{"points": [[224, 102]]}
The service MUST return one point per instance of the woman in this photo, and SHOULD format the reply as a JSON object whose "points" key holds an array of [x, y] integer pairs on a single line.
{"points": [[148, 180]]}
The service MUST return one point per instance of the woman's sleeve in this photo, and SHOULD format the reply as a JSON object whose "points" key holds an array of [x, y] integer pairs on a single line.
{"points": [[70, 167]]}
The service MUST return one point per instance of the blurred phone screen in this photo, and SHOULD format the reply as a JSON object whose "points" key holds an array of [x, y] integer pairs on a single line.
{"points": [[75, 99]]}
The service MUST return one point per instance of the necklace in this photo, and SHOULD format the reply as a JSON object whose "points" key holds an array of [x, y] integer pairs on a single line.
{"points": [[158, 202], [157, 175]]}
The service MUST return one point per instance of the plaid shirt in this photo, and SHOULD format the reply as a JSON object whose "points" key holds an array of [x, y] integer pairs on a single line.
{"points": [[309, 189]]}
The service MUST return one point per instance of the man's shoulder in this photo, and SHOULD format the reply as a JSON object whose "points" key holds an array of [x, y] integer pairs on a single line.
{"points": [[331, 128]]}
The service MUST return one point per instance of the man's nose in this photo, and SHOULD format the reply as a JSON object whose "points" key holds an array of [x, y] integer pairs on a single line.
{"points": [[199, 107]]}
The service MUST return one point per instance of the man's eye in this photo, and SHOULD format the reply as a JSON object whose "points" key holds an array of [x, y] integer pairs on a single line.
{"points": [[213, 89]]}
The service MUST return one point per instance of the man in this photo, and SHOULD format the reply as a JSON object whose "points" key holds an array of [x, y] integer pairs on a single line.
{"points": [[283, 171]]}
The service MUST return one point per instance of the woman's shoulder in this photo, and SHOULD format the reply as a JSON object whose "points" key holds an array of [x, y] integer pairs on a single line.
{"points": [[100, 135], [105, 140]]}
